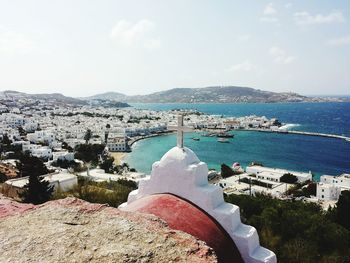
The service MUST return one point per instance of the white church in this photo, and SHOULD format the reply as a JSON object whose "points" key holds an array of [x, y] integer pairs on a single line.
{"points": [[178, 192]]}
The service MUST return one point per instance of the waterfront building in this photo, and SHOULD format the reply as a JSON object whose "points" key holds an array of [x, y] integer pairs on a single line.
{"points": [[330, 187], [275, 174], [117, 143]]}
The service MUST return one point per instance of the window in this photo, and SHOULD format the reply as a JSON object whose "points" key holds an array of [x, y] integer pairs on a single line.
{"points": [[322, 196], [322, 190]]}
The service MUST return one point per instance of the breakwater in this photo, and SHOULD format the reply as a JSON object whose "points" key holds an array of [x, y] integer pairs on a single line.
{"points": [[335, 136]]}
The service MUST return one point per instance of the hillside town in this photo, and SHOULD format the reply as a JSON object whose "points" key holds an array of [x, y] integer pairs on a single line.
{"points": [[53, 132]]}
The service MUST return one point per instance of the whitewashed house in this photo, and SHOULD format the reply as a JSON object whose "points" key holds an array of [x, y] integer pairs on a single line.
{"points": [[41, 136], [43, 152], [59, 180], [117, 143], [275, 174], [63, 156], [330, 187]]}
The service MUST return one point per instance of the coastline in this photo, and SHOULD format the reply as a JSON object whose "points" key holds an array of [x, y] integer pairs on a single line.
{"points": [[138, 138], [119, 157]]}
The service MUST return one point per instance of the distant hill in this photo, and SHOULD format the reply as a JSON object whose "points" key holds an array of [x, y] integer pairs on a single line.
{"points": [[107, 96], [216, 94], [53, 97]]}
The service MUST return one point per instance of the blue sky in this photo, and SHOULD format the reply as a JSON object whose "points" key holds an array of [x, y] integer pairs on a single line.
{"points": [[84, 47]]}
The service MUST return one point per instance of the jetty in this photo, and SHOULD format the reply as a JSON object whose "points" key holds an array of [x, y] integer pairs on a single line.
{"points": [[327, 135]]}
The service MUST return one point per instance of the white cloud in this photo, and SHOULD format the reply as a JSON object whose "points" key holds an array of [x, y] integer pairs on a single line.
{"points": [[12, 42], [139, 33], [340, 41], [269, 19], [269, 9], [305, 18], [245, 66], [269, 14], [288, 5], [280, 56]]}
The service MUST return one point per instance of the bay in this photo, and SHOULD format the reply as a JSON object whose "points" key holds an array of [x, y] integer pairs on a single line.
{"points": [[294, 152]]}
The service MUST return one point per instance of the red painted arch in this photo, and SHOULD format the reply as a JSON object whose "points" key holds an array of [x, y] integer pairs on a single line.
{"points": [[183, 215]]}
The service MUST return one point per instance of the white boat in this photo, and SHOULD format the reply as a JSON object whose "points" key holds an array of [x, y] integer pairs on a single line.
{"points": [[223, 140]]}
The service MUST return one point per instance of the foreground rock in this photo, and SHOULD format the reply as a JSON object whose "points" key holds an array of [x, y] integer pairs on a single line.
{"points": [[72, 230]]}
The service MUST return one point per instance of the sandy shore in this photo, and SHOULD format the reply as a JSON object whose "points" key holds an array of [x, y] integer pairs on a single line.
{"points": [[118, 157]]}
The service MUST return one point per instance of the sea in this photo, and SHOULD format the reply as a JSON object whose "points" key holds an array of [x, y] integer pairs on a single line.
{"points": [[288, 151]]}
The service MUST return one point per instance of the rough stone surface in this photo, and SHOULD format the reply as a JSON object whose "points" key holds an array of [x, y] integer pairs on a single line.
{"points": [[72, 230]]}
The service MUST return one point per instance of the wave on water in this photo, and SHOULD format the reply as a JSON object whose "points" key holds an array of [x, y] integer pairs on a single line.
{"points": [[289, 126]]}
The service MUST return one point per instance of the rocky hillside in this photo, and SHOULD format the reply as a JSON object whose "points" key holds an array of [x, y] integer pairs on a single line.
{"points": [[108, 96], [72, 230], [227, 94], [55, 98]]}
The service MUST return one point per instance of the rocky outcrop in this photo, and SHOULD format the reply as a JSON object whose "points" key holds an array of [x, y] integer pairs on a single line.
{"points": [[72, 230]]}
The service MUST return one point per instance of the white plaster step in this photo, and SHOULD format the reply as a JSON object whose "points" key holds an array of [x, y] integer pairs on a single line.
{"points": [[263, 255], [208, 197], [247, 237], [228, 215]]}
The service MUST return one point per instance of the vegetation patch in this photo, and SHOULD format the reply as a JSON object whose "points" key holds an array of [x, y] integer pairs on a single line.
{"points": [[299, 232]]}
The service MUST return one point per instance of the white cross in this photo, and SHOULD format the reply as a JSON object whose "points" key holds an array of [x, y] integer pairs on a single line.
{"points": [[180, 128]]}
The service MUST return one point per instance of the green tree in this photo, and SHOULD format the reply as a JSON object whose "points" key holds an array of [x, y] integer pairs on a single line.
{"points": [[298, 251], [67, 147], [89, 152], [37, 190], [107, 165], [226, 171], [343, 209], [289, 178], [88, 136], [294, 230], [30, 165]]}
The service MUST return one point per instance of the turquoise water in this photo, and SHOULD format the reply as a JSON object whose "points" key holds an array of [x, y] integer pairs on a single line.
{"points": [[294, 152]]}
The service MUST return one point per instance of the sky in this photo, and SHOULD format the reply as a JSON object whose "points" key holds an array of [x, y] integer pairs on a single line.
{"points": [[84, 47]]}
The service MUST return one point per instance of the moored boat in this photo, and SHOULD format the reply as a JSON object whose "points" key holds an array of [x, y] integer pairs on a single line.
{"points": [[223, 140], [224, 135]]}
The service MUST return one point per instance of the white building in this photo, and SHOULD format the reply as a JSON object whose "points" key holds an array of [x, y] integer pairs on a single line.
{"points": [[42, 152], [327, 192], [330, 187], [41, 136], [62, 155], [60, 180], [117, 143], [275, 174]]}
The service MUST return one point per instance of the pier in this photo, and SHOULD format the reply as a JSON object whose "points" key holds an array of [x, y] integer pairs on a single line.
{"points": [[335, 136]]}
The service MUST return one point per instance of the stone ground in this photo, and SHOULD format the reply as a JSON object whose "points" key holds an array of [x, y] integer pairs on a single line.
{"points": [[72, 230]]}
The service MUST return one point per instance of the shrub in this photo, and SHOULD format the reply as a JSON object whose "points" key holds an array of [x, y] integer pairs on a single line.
{"points": [[294, 230], [289, 178], [226, 171]]}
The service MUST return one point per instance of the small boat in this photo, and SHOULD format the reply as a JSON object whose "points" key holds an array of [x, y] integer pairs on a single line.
{"points": [[223, 140], [224, 135], [209, 134], [195, 138]]}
